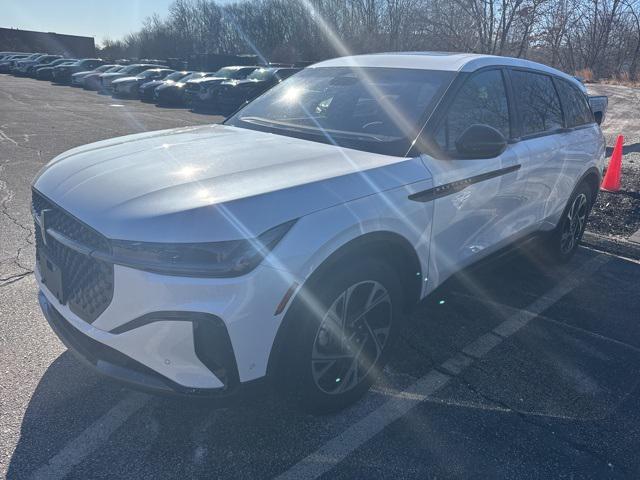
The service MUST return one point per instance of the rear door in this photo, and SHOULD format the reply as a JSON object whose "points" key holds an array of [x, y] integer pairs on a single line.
{"points": [[581, 143], [478, 202], [541, 131]]}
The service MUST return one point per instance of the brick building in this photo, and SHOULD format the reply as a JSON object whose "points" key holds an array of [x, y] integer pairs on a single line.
{"points": [[14, 40]]}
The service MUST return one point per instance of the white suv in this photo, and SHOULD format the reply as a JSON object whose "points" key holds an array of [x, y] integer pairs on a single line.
{"points": [[288, 242]]}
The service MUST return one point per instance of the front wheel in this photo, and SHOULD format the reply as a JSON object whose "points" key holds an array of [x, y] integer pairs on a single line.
{"points": [[566, 237], [346, 322]]}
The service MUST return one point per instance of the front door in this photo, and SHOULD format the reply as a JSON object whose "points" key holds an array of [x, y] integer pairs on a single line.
{"points": [[479, 203]]}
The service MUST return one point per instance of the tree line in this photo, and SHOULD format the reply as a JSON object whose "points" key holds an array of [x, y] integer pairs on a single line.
{"points": [[592, 38]]}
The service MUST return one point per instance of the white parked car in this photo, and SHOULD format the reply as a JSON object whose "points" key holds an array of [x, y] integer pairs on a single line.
{"points": [[288, 243]]}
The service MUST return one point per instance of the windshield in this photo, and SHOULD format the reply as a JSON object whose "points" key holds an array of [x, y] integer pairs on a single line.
{"points": [[192, 76], [260, 74], [373, 109], [113, 69], [226, 72], [133, 69], [176, 76], [148, 73]]}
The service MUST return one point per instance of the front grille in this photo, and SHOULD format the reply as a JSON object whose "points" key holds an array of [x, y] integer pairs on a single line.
{"points": [[87, 283]]}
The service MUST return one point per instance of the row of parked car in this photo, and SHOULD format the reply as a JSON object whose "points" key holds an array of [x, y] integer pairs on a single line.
{"points": [[221, 91]]}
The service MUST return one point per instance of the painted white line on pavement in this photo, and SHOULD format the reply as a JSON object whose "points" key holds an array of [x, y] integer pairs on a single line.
{"points": [[337, 449], [91, 438]]}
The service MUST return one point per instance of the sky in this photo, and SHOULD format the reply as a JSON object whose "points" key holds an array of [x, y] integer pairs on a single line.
{"points": [[94, 18]]}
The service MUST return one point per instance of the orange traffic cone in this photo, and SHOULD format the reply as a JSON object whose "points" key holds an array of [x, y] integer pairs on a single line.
{"points": [[611, 182]]}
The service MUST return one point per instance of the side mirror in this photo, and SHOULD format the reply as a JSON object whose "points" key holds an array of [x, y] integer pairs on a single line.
{"points": [[480, 141], [598, 117]]}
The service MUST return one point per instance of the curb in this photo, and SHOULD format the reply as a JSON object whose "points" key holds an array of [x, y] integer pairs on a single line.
{"points": [[616, 245]]}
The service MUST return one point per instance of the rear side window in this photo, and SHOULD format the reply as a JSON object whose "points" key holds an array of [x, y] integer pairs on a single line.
{"points": [[481, 100], [538, 102], [576, 107]]}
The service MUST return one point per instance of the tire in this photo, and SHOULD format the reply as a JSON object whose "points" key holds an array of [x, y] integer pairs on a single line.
{"points": [[565, 238], [328, 367]]}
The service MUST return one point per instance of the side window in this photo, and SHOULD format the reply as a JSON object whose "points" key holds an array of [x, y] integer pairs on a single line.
{"points": [[575, 103], [538, 102], [481, 100]]}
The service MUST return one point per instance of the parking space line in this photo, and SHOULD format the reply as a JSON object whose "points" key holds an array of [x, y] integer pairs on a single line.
{"points": [[91, 438], [337, 449]]}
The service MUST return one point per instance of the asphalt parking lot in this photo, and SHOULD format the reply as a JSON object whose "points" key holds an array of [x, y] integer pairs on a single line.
{"points": [[510, 370]]}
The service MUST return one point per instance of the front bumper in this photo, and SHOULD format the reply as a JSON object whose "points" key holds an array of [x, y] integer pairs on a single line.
{"points": [[125, 89], [201, 337], [114, 364], [169, 96], [62, 76], [146, 94]]}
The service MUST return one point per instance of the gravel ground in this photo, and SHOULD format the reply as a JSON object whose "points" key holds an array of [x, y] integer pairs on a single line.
{"points": [[618, 214]]}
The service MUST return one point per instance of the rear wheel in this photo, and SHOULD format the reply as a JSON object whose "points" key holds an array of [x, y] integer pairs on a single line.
{"points": [[566, 237], [345, 323]]}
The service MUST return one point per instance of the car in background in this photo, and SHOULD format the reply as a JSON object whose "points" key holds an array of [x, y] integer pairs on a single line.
{"points": [[4, 55], [8, 61], [77, 78], [288, 244], [22, 68], [14, 61], [93, 80], [62, 73], [129, 71], [145, 91], [193, 87], [45, 72], [31, 70], [173, 93], [128, 86], [231, 94]]}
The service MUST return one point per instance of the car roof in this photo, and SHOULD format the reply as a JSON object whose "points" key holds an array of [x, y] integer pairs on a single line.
{"points": [[452, 62]]}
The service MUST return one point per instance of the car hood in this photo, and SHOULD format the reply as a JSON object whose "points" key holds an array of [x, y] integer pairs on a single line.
{"points": [[235, 83], [85, 72], [170, 86], [125, 80], [211, 183], [198, 81], [210, 80], [112, 75], [154, 83]]}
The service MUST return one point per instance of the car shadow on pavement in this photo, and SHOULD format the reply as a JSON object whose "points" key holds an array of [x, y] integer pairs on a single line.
{"points": [[561, 364], [633, 148]]}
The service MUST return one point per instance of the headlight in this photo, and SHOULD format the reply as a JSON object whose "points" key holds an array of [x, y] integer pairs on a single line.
{"points": [[216, 259]]}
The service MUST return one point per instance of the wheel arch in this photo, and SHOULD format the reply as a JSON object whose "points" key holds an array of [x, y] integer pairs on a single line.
{"points": [[387, 246], [592, 178]]}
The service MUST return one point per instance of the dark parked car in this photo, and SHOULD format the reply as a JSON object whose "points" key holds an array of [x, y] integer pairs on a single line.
{"points": [[62, 73], [33, 69], [173, 93], [194, 87], [128, 86], [6, 55], [129, 71], [146, 90], [24, 67], [9, 60], [93, 80], [77, 78], [45, 72], [231, 94]]}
